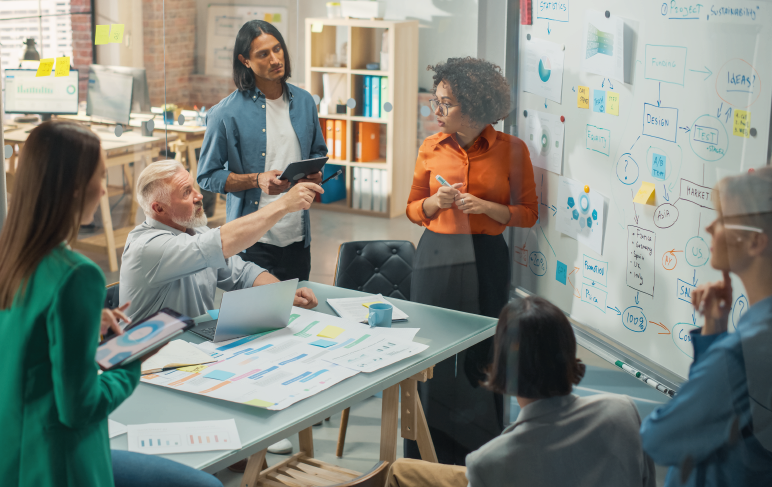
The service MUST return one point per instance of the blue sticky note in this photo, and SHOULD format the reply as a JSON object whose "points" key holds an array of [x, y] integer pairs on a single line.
{"points": [[561, 272], [599, 101], [323, 343], [658, 166], [219, 375], [214, 313]]}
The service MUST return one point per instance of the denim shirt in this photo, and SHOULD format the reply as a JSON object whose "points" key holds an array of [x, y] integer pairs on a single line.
{"points": [[235, 142]]}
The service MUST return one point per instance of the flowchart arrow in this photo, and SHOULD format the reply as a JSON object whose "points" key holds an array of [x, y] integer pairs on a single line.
{"points": [[694, 279], [707, 71], [636, 296], [694, 319], [666, 332], [548, 28], [615, 309], [573, 89], [634, 210], [576, 291], [609, 84], [686, 129], [603, 82], [659, 97], [554, 210], [545, 103], [667, 196]]}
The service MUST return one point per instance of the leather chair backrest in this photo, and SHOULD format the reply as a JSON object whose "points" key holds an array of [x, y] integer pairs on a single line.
{"points": [[376, 266], [111, 299]]}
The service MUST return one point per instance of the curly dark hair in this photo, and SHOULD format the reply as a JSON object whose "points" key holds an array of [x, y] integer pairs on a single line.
{"points": [[478, 85]]}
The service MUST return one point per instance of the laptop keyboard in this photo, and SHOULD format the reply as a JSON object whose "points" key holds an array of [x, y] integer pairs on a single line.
{"points": [[207, 332]]}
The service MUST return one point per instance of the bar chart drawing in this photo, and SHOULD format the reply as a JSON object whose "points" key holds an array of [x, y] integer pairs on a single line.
{"points": [[159, 438]]}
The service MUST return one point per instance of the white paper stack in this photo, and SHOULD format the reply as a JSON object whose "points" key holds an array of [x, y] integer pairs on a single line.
{"points": [[177, 353], [354, 309]]}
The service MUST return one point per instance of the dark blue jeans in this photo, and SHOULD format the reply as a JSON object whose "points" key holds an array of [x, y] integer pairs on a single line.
{"points": [[137, 470]]}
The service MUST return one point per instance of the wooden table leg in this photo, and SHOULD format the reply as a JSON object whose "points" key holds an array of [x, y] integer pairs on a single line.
{"points": [[342, 432], [192, 163], [389, 418], [409, 418], [306, 438], [424, 438], [254, 467], [107, 223]]}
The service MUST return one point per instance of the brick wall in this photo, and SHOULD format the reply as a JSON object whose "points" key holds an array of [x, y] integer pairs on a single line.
{"points": [[81, 42], [208, 90], [180, 50]]}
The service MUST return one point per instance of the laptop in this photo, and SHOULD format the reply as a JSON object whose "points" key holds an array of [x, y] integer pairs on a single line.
{"points": [[251, 310]]}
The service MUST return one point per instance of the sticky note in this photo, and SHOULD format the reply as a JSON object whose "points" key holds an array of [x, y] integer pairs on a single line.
{"points": [[583, 97], [330, 331], [45, 67], [612, 103], [742, 123], [214, 313], [102, 35], [561, 272], [62, 66], [268, 17], [323, 343], [219, 375], [277, 17], [317, 27], [599, 101], [367, 305], [658, 166], [192, 368], [116, 33], [645, 194]]}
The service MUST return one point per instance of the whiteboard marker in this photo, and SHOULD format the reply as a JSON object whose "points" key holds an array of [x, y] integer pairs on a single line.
{"points": [[626, 368], [442, 181], [643, 378]]}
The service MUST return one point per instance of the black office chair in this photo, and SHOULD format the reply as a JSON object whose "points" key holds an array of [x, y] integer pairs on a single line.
{"points": [[375, 266], [111, 300]]}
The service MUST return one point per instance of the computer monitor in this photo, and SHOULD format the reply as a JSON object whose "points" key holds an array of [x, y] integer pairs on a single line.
{"points": [[109, 95], [140, 93], [46, 95]]}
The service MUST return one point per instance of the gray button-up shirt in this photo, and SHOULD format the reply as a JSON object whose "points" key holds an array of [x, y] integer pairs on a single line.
{"points": [[165, 268]]}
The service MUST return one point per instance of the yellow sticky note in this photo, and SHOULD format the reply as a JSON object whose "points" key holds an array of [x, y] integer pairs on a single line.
{"points": [[277, 17], [330, 331], [367, 305], [645, 194], [62, 66], [742, 123], [192, 368], [583, 97], [45, 67], [116, 33], [268, 17], [102, 34], [317, 27], [612, 103]]}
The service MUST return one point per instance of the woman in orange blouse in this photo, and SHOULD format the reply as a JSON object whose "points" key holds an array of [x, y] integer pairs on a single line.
{"points": [[462, 261]]}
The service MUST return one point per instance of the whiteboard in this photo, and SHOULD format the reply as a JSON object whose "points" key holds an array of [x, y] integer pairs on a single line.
{"points": [[224, 22], [691, 69]]}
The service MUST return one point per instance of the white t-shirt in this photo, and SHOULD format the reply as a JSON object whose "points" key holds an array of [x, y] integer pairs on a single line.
{"points": [[282, 149]]}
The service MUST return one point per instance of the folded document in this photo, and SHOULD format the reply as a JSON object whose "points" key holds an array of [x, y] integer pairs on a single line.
{"points": [[357, 308], [177, 353]]}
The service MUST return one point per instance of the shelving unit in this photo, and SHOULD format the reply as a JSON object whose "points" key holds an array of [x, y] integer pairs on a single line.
{"points": [[364, 46]]}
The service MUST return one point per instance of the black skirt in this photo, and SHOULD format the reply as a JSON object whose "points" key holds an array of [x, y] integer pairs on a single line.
{"points": [[467, 273]]}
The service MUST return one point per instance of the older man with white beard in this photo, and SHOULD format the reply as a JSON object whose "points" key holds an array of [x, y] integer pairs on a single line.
{"points": [[173, 260]]}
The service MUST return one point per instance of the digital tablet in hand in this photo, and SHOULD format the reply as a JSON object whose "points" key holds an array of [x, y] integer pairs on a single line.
{"points": [[141, 338], [301, 169]]}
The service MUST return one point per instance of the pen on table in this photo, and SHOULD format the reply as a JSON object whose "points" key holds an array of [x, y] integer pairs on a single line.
{"points": [[335, 175], [647, 380]]}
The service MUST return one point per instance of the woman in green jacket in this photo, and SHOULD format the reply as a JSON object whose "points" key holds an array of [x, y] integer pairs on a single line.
{"points": [[55, 403]]}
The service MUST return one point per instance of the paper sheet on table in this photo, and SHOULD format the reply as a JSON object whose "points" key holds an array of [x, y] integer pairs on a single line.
{"points": [[604, 46], [541, 72], [376, 354], [354, 309], [188, 437], [114, 428], [176, 353], [545, 140], [580, 215]]}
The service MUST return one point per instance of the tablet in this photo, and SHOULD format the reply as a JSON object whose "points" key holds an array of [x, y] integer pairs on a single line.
{"points": [[298, 170], [141, 338]]}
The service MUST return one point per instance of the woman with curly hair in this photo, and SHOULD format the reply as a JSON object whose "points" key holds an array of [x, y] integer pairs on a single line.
{"points": [[558, 438], [462, 261]]}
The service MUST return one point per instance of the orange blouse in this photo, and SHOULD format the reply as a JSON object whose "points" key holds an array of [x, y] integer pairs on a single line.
{"points": [[497, 168]]}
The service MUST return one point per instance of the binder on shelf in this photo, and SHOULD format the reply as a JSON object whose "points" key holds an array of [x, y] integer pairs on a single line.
{"points": [[329, 137], [334, 189], [366, 188], [368, 141], [368, 96], [378, 180], [356, 188], [375, 91], [384, 95], [340, 140]]}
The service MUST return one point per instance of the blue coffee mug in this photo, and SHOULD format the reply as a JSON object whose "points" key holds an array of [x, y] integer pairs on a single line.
{"points": [[380, 315]]}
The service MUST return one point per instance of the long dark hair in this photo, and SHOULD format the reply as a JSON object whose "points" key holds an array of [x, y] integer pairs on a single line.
{"points": [[534, 351], [243, 77], [55, 166]]}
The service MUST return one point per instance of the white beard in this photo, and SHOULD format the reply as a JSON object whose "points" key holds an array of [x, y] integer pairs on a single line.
{"points": [[193, 221]]}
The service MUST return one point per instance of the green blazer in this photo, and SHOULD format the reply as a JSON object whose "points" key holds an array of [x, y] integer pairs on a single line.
{"points": [[55, 403]]}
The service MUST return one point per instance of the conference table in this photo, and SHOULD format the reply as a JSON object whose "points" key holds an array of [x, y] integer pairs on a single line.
{"points": [[446, 333]]}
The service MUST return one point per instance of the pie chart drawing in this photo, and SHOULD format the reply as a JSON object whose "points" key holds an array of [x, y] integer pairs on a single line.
{"points": [[545, 68]]}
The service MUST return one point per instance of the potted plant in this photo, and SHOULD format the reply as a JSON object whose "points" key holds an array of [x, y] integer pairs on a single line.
{"points": [[169, 111]]}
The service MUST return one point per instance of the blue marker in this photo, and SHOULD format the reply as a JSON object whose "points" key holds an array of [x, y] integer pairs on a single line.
{"points": [[442, 181]]}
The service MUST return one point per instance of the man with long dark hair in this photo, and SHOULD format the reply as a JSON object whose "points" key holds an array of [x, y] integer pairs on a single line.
{"points": [[251, 137]]}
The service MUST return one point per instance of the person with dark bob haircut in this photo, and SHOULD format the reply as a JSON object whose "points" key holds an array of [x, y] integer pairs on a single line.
{"points": [[462, 261], [251, 137], [558, 438]]}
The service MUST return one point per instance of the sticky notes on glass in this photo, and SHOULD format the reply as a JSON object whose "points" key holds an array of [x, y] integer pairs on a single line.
{"points": [[45, 67], [323, 343], [116, 33], [658, 166], [101, 35], [583, 97], [317, 27], [62, 66], [612, 103], [277, 17], [330, 331], [561, 273], [742, 123], [192, 368], [645, 195], [268, 17], [599, 101]]}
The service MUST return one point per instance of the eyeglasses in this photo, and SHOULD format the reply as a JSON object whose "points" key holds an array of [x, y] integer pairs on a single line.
{"points": [[444, 107], [732, 226]]}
